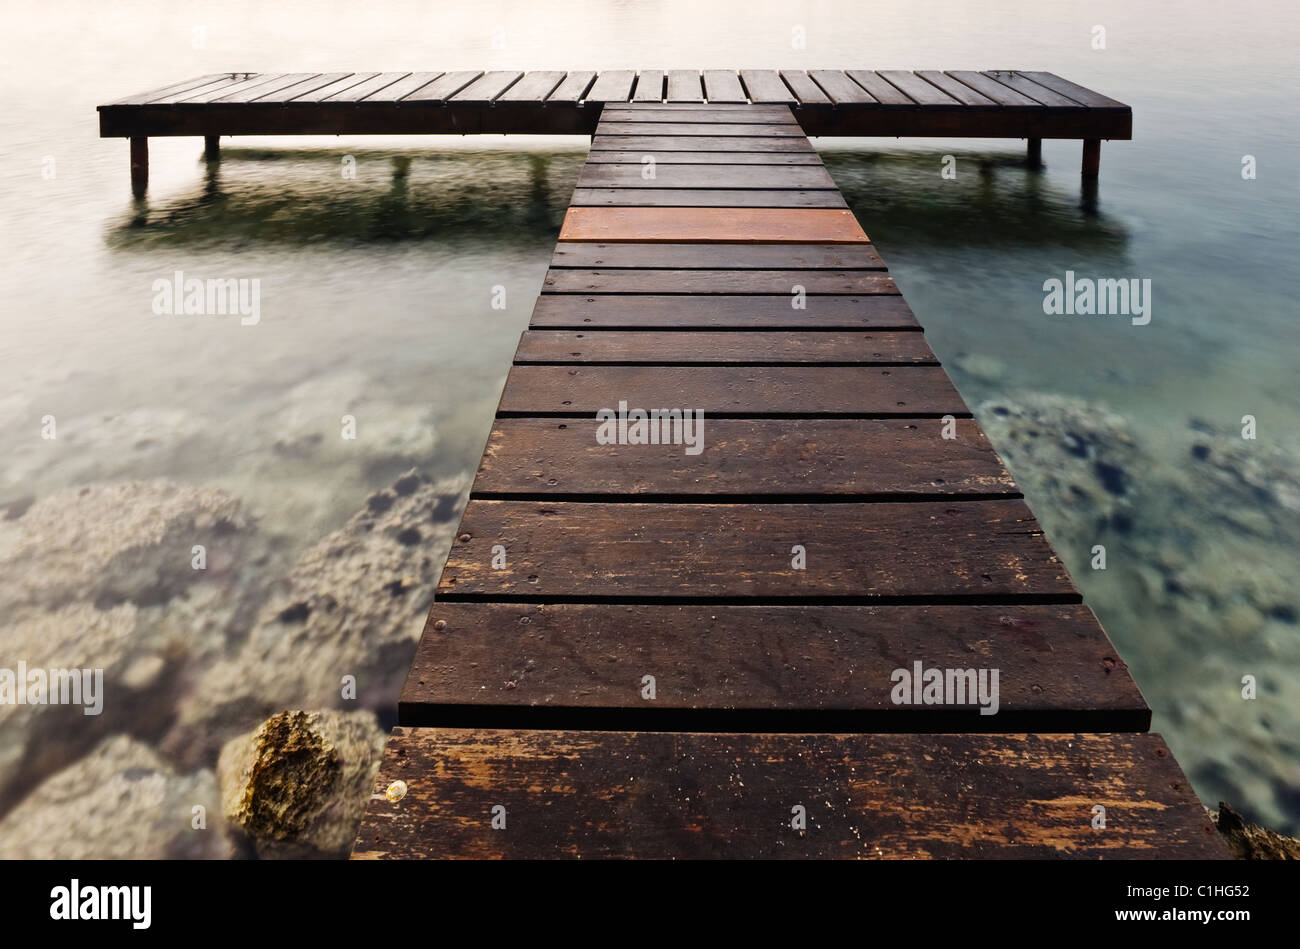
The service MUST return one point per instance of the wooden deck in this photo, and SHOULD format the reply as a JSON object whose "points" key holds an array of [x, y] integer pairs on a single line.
{"points": [[855, 102], [640, 651]]}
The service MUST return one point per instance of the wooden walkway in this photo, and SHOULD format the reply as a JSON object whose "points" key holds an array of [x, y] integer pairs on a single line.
{"points": [[644, 650], [855, 102]]}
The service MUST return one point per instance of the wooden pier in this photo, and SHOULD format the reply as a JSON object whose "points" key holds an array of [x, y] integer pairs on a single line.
{"points": [[855, 102], [639, 650]]}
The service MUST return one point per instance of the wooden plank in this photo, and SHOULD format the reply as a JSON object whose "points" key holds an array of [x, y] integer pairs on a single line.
{"points": [[700, 198], [765, 85], [633, 175], [910, 551], [752, 115], [403, 87], [534, 87], [917, 89], [664, 157], [1027, 87], [271, 95], [319, 94], [1002, 95], [719, 256], [801, 84], [754, 348], [734, 390], [723, 85], [209, 93], [649, 86], [1086, 97], [637, 280], [574, 88], [615, 311], [486, 89], [840, 89], [612, 86], [263, 91], [692, 143], [684, 85], [760, 459], [444, 87], [962, 93], [689, 130], [368, 88], [592, 794], [579, 665], [175, 89], [883, 92], [744, 226]]}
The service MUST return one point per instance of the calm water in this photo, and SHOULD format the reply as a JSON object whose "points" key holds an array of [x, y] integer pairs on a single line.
{"points": [[377, 291]]}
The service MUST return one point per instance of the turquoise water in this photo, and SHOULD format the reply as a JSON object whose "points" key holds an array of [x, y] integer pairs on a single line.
{"points": [[378, 290]]}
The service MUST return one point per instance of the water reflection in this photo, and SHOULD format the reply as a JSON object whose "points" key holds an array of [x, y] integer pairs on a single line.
{"points": [[302, 196]]}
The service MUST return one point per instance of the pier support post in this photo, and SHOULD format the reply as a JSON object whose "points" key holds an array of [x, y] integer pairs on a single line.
{"points": [[139, 165], [1034, 156], [1091, 157], [212, 147]]}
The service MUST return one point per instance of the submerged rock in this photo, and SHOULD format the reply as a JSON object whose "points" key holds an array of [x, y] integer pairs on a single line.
{"points": [[1250, 841], [354, 605], [298, 785], [121, 801]]}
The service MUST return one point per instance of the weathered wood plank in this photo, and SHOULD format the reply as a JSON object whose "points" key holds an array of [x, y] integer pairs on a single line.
{"points": [[959, 91], [487, 88], [615, 311], [534, 87], [801, 84], [368, 88], [766, 86], [764, 668], [613, 85], [666, 157], [756, 458], [917, 89], [174, 89], [444, 87], [654, 144], [226, 84], [684, 85], [670, 795], [702, 198], [214, 92], [1087, 97], [319, 94], [734, 390], [403, 87], [713, 114], [573, 88], [272, 95], [1027, 87], [983, 551], [649, 86], [1004, 96], [883, 92], [723, 86], [689, 130], [719, 256], [751, 225], [634, 175], [753, 348], [262, 91], [639, 280], [840, 88]]}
